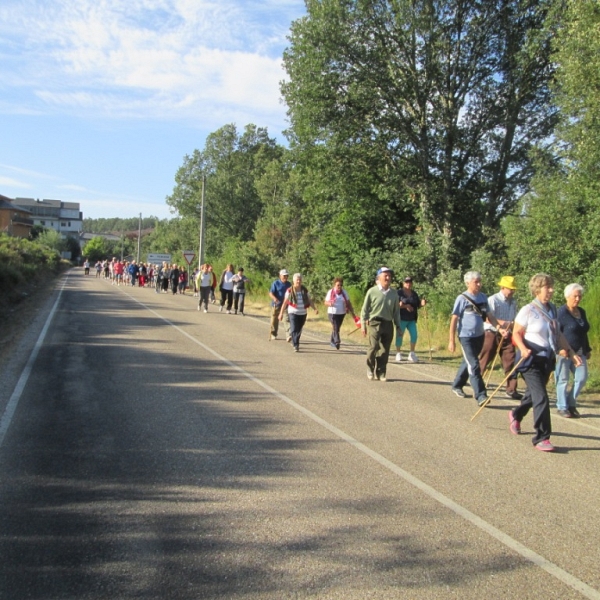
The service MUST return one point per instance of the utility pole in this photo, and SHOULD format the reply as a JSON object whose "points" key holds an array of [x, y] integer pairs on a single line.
{"points": [[139, 239], [202, 226]]}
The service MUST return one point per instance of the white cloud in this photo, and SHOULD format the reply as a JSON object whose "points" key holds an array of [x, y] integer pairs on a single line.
{"points": [[13, 183], [153, 58]]}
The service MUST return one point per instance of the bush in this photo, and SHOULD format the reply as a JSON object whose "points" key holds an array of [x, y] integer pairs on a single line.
{"points": [[22, 260]]}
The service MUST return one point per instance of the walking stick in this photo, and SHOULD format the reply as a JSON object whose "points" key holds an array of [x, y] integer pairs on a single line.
{"points": [[489, 398], [357, 323], [428, 332], [489, 371]]}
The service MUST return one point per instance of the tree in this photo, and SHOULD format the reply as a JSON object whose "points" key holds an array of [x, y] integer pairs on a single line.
{"points": [[96, 249], [558, 226], [430, 106], [231, 164]]}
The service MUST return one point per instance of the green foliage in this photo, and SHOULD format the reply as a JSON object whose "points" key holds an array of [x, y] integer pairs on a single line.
{"points": [[22, 259], [404, 128], [118, 226], [52, 239], [230, 165], [96, 249]]}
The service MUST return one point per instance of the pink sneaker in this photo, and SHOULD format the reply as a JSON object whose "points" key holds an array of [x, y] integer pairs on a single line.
{"points": [[515, 426], [544, 446]]}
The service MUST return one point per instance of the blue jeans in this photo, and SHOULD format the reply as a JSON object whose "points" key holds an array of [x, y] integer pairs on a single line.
{"points": [[469, 368], [566, 399]]}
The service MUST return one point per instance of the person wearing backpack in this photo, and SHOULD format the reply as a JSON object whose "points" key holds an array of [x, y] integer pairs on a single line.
{"points": [[468, 315]]}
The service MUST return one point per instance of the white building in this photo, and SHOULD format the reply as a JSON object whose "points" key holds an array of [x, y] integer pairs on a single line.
{"points": [[64, 217]]}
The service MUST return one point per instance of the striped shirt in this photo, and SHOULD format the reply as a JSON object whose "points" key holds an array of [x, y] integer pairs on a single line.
{"points": [[502, 308]]}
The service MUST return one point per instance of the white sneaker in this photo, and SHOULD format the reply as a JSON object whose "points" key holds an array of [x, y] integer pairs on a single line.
{"points": [[412, 357], [228, 312], [205, 310], [399, 357], [220, 309]]}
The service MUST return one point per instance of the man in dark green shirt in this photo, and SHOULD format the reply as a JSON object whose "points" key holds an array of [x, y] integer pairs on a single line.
{"points": [[381, 309]]}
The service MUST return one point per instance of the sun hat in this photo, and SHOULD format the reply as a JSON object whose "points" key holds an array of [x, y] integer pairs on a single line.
{"points": [[507, 282]]}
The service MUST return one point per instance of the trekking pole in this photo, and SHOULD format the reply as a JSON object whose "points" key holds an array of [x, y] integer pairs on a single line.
{"points": [[489, 371], [428, 332], [488, 400]]}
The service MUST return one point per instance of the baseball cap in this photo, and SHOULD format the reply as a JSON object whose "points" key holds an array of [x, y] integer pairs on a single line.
{"points": [[283, 272], [384, 270], [408, 279]]}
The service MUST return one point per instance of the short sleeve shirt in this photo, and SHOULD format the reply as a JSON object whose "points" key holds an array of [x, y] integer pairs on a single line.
{"points": [[470, 323], [537, 328]]}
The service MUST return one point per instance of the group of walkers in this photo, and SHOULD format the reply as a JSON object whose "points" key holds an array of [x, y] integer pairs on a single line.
{"points": [[232, 286], [536, 341]]}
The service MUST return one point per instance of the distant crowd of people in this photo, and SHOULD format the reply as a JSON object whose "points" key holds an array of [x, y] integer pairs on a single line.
{"points": [[536, 341], [163, 278]]}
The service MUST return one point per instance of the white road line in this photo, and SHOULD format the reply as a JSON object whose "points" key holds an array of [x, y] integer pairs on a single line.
{"points": [[538, 560], [13, 401]]}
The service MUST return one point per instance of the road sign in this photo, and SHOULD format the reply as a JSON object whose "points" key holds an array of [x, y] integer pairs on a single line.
{"points": [[158, 259], [189, 256]]}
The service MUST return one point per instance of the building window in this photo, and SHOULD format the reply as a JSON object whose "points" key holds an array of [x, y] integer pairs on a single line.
{"points": [[43, 223], [69, 223], [63, 224]]}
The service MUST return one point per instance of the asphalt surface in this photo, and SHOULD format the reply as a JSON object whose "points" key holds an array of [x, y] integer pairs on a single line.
{"points": [[149, 450]]}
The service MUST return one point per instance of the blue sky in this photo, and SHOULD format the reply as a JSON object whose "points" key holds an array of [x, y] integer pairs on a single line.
{"points": [[100, 100]]}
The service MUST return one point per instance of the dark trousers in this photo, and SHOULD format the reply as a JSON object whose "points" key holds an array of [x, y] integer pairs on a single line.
{"points": [[507, 356], [536, 396], [336, 325], [204, 296], [296, 325], [238, 302], [381, 335], [469, 369], [227, 295]]}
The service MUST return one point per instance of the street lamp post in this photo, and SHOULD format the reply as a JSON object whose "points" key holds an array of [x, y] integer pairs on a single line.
{"points": [[139, 239], [202, 226]]}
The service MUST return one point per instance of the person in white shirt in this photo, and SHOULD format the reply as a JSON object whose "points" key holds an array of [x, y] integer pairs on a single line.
{"points": [[338, 304], [226, 287], [538, 338], [297, 301]]}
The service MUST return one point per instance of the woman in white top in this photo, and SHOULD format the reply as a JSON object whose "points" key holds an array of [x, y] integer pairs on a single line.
{"points": [[538, 338], [203, 283], [226, 287], [338, 304], [297, 301]]}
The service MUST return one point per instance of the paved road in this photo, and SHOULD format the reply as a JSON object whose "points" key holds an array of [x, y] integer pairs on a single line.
{"points": [[153, 451]]}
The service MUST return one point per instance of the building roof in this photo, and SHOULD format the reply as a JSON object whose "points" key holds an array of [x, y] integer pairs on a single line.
{"points": [[7, 204]]}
